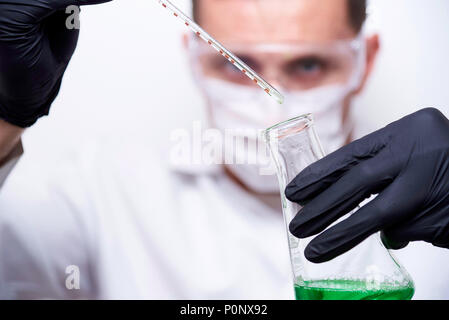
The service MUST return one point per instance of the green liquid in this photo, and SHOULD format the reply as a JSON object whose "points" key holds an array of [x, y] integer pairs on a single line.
{"points": [[351, 290]]}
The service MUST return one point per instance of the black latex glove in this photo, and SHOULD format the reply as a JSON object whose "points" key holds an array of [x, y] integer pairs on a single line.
{"points": [[405, 163], [35, 49]]}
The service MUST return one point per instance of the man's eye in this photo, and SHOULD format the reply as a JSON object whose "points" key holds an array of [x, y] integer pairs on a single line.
{"points": [[311, 66], [306, 67]]}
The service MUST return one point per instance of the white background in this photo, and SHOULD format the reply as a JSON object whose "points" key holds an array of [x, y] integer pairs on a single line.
{"points": [[130, 76]]}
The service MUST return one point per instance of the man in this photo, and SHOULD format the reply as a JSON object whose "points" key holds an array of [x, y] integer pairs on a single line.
{"points": [[319, 66], [144, 231]]}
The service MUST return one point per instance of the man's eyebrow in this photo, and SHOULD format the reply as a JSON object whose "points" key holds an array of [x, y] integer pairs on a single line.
{"points": [[305, 57]]}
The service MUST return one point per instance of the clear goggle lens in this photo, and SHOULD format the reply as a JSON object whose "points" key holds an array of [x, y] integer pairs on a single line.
{"points": [[291, 66]]}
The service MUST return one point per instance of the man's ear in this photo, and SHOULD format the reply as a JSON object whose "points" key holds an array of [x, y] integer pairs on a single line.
{"points": [[372, 50]]}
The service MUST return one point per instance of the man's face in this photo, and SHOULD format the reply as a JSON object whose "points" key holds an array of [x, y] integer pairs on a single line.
{"points": [[305, 48], [295, 45], [307, 29]]}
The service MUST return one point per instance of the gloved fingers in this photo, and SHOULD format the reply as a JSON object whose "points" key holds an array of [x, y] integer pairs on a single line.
{"points": [[311, 220], [301, 191], [429, 225], [342, 237], [399, 235], [363, 180], [444, 244], [385, 210], [321, 174], [391, 240]]}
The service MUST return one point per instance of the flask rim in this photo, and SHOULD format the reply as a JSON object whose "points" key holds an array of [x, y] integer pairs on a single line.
{"points": [[288, 125]]}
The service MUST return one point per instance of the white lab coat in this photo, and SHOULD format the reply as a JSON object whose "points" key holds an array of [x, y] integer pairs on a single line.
{"points": [[137, 229]]}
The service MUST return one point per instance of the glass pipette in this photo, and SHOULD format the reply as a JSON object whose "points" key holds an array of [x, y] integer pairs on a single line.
{"points": [[250, 73]]}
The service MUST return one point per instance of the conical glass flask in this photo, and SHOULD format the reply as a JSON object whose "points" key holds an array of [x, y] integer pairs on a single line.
{"points": [[368, 271]]}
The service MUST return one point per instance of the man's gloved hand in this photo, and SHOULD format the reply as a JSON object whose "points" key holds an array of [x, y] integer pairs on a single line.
{"points": [[405, 163], [35, 49]]}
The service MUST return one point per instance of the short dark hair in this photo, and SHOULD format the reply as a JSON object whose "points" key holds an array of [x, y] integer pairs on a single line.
{"points": [[357, 13], [356, 8]]}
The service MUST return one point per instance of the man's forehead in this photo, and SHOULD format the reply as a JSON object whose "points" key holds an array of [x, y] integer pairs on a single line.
{"points": [[255, 21]]}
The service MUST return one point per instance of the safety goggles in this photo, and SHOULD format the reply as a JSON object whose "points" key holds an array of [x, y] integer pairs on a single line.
{"points": [[290, 66]]}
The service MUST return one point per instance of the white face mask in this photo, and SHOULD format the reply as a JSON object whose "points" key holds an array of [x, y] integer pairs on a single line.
{"points": [[237, 107]]}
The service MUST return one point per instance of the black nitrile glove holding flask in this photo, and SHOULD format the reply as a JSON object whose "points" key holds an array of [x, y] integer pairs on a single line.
{"points": [[35, 49], [405, 163]]}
